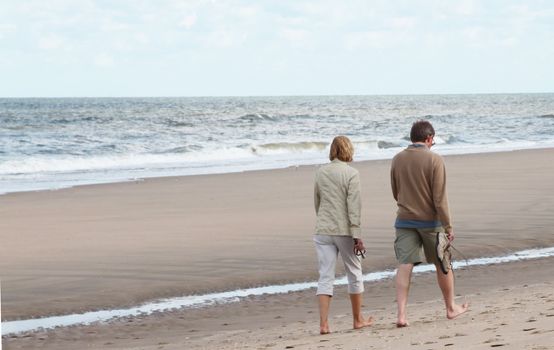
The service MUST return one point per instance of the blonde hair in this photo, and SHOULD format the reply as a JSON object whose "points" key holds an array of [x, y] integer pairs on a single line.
{"points": [[342, 149]]}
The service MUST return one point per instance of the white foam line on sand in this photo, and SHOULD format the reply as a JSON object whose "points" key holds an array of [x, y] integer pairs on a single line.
{"points": [[19, 326]]}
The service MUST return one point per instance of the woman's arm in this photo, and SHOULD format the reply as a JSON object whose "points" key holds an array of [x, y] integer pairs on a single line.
{"points": [[354, 205]]}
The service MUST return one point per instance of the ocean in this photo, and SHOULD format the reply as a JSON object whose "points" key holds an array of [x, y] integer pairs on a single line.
{"points": [[52, 143]]}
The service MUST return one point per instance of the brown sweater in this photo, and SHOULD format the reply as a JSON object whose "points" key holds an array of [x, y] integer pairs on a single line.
{"points": [[418, 180]]}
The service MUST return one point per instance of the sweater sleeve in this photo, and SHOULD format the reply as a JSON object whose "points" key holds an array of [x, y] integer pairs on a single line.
{"points": [[354, 205], [440, 198], [393, 182]]}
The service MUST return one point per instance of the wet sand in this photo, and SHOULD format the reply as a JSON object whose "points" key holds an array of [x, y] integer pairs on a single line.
{"points": [[511, 306], [115, 245]]}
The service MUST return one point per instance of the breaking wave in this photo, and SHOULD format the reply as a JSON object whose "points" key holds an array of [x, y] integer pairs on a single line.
{"points": [[286, 147]]}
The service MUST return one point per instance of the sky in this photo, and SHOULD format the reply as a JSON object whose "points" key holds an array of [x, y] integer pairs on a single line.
{"points": [[65, 48]]}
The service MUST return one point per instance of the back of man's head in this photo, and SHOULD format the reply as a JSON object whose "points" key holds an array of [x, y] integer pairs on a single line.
{"points": [[421, 130]]}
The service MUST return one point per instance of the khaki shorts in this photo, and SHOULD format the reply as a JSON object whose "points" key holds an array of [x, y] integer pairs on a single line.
{"points": [[412, 243]]}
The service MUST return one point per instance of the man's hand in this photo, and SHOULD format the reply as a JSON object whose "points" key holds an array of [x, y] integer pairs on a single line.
{"points": [[450, 234]]}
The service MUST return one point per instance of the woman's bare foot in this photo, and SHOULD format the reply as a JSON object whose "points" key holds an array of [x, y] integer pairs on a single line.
{"points": [[456, 311], [401, 320], [361, 323], [324, 329]]}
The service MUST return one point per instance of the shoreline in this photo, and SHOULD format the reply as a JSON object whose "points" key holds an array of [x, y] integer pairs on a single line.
{"points": [[508, 307], [16, 327], [119, 245], [248, 170]]}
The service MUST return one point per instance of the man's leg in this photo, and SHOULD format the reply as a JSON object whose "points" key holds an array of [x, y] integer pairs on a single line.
{"points": [[446, 284], [403, 277], [407, 248], [324, 303]]}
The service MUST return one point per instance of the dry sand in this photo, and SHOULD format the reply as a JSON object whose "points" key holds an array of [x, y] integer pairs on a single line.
{"points": [[106, 246]]}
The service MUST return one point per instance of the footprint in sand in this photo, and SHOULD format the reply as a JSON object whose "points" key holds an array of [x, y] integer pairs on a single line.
{"points": [[498, 345], [492, 340]]}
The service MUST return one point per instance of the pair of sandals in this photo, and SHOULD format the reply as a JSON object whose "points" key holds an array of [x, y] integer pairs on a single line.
{"points": [[444, 253]]}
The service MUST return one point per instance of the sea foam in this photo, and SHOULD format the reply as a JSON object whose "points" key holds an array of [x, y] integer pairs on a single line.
{"points": [[197, 301]]}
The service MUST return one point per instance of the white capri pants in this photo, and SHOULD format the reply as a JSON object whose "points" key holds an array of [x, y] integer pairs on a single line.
{"points": [[328, 248]]}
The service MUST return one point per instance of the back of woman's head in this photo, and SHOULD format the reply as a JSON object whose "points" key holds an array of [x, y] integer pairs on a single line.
{"points": [[341, 149]]}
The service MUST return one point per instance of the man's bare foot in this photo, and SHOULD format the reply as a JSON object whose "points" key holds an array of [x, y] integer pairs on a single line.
{"points": [[361, 323], [324, 328], [402, 324], [457, 311]]}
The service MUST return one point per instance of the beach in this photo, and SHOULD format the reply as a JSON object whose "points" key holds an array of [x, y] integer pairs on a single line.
{"points": [[119, 245]]}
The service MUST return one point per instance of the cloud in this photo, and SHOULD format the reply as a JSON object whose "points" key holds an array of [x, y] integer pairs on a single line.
{"points": [[368, 39], [104, 60], [142, 38], [402, 23], [223, 38], [50, 42], [188, 21], [465, 7], [207, 34], [295, 35], [7, 29], [110, 25], [248, 11]]}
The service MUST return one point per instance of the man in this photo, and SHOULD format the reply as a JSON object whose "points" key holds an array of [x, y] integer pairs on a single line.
{"points": [[418, 180]]}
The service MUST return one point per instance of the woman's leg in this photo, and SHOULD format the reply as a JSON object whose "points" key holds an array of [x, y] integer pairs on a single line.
{"points": [[353, 268], [327, 258], [324, 304]]}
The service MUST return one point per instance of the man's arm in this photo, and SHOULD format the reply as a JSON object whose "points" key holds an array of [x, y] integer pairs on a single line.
{"points": [[440, 198], [393, 183]]}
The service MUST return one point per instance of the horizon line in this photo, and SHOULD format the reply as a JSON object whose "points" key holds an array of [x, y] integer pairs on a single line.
{"points": [[286, 95]]}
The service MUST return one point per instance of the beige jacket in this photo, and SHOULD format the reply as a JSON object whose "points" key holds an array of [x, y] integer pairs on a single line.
{"points": [[337, 200]]}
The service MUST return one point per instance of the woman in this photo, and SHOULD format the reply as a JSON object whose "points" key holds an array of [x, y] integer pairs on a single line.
{"points": [[338, 205]]}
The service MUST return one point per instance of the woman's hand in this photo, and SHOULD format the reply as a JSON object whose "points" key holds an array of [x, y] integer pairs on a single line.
{"points": [[359, 248]]}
